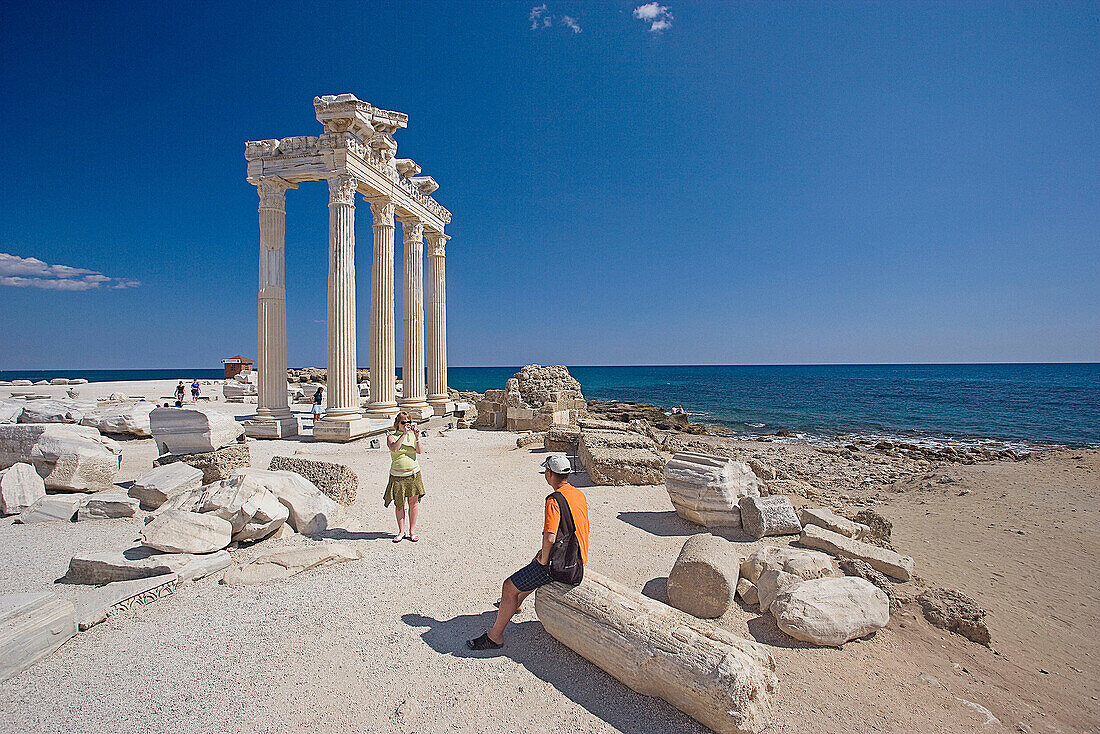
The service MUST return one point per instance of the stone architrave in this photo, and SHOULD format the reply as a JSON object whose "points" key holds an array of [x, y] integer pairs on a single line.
{"points": [[273, 418], [412, 344], [383, 392], [193, 430], [435, 328]]}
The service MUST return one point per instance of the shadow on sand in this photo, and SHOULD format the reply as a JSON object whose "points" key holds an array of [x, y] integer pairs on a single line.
{"points": [[580, 681], [657, 589]]}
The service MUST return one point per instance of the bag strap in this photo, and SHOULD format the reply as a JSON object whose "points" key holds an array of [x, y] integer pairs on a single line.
{"points": [[566, 514]]}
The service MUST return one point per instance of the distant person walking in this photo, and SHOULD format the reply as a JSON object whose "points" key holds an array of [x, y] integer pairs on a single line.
{"points": [[562, 556], [195, 391], [316, 410], [405, 483], [180, 392]]}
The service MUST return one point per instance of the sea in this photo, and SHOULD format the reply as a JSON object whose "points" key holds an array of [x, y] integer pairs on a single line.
{"points": [[1015, 405]]}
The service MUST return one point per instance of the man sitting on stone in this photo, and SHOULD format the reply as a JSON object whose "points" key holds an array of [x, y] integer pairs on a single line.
{"points": [[519, 585]]}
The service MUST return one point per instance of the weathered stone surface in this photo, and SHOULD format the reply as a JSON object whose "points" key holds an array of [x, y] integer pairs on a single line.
{"points": [[831, 611], [283, 564], [825, 518], [245, 501], [52, 508], [215, 465], [31, 627], [96, 605], [530, 439], [611, 457], [804, 564], [887, 561], [879, 527], [337, 481], [20, 487], [178, 531], [73, 458], [748, 592], [769, 584], [52, 411], [705, 489], [955, 611], [130, 419], [763, 471], [10, 410], [562, 439], [533, 386], [106, 505], [703, 580], [721, 680], [762, 516], [856, 567], [154, 487], [141, 562], [311, 512], [193, 430]]}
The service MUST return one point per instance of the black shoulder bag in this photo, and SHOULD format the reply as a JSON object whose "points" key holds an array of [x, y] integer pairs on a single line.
{"points": [[565, 555]]}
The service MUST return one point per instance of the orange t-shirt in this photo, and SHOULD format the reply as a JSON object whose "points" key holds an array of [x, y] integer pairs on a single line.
{"points": [[578, 508]]}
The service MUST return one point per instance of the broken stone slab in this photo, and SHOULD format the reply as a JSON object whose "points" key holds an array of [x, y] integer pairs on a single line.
{"points": [[761, 516], [562, 439], [193, 430], [956, 612], [52, 411], [770, 583], [310, 510], [805, 564], [107, 505], [130, 419], [748, 592], [283, 564], [178, 531], [68, 457], [215, 465], [615, 457], [703, 579], [888, 562], [154, 487], [336, 481], [96, 605], [831, 611], [10, 411], [705, 489], [52, 508], [825, 518], [244, 500], [32, 626], [20, 487], [719, 679], [141, 562]]}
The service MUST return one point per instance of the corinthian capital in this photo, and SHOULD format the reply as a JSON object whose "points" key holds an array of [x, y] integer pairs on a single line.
{"points": [[341, 189], [437, 243], [413, 230], [383, 209], [273, 192]]}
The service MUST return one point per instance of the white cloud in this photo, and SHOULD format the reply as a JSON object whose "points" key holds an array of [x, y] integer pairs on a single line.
{"points": [[30, 272], [539, 17], [571, 23], [658, 16]]}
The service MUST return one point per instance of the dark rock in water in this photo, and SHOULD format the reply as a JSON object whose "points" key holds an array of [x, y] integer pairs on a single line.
{"points": [[783, 433], [626, 412], [956, 612]]}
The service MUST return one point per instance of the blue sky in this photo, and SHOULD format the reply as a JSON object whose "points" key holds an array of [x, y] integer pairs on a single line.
{"points": [[735, 182]]}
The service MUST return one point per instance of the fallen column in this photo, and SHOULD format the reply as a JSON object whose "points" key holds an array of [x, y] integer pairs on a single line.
{"points": [[713, 676], [703, 580]]}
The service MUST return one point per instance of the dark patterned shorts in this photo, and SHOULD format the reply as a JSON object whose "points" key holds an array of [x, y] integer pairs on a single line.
{"points": [[530, 577]]}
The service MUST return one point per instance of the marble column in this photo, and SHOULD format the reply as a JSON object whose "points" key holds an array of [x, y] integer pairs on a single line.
{"points": [[412, 344], [343, 392], [273, 417], [436, 329], [383, 370]]}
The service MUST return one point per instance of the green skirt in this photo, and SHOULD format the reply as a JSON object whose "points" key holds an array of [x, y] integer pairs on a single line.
{"points": [[401, 488]]}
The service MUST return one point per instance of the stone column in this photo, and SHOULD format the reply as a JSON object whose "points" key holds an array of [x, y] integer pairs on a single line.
{"points": [[343, 392], [383, 395], [412, 351], [273, 418], [437, 322]]}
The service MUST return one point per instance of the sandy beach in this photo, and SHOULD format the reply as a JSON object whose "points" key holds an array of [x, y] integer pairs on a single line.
{"points": [[377, 644]]}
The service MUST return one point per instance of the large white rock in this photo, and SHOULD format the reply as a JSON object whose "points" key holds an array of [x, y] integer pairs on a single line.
{"points": [[177, 531], [52, 411], [887, 561], [10, 411], [769, 584], [32, 626], [20, 487], [192, 430], [310, 510], [154, 487], [74, 458], [705, 489], [106, 505], [245, 501], [53, 508], [804, 564], [122, 418], [831, 611]]}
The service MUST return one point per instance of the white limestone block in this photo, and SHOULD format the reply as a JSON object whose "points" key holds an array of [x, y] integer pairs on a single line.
{"points": [[831, 611], [245, 501], [107, 505], [283, 564], [32, 626], [52, 508], [771, 583], [826, 518], [156, 486], [20, 487], [705, 489], [52, 411], [122, 418], [140, 562], [805, 564], [886, 561], [310, 510], [773, 515], [178, 531], [68, 457], [193, 430], [10, 410]]}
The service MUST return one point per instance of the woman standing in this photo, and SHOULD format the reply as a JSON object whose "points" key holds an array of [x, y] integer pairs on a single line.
{"points": [[316, 408], [405, 483]]}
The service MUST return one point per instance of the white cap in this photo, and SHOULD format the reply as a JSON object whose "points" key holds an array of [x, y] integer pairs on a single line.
{"points": [[557, 464]]}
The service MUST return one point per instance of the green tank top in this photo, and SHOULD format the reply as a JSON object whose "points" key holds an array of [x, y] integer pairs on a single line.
{"points": [[403, 460]]}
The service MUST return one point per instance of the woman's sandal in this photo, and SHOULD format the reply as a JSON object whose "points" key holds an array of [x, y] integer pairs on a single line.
{"points": [[413, 538], [483, 643], [398, 538]]}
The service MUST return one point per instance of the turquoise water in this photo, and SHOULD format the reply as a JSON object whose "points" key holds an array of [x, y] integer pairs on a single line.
{"points": [[1040, 403]]}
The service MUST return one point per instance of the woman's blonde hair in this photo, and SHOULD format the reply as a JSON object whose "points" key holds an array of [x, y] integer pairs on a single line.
{"points": [[397, 419]]}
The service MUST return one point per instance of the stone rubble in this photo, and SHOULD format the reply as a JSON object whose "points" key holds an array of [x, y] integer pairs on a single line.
{"points": [[336, 481], [956, 612], [179, 531], [106, 505], [617, 458], [51, 508], [826, 518], [68, 457], [215, 465]]}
